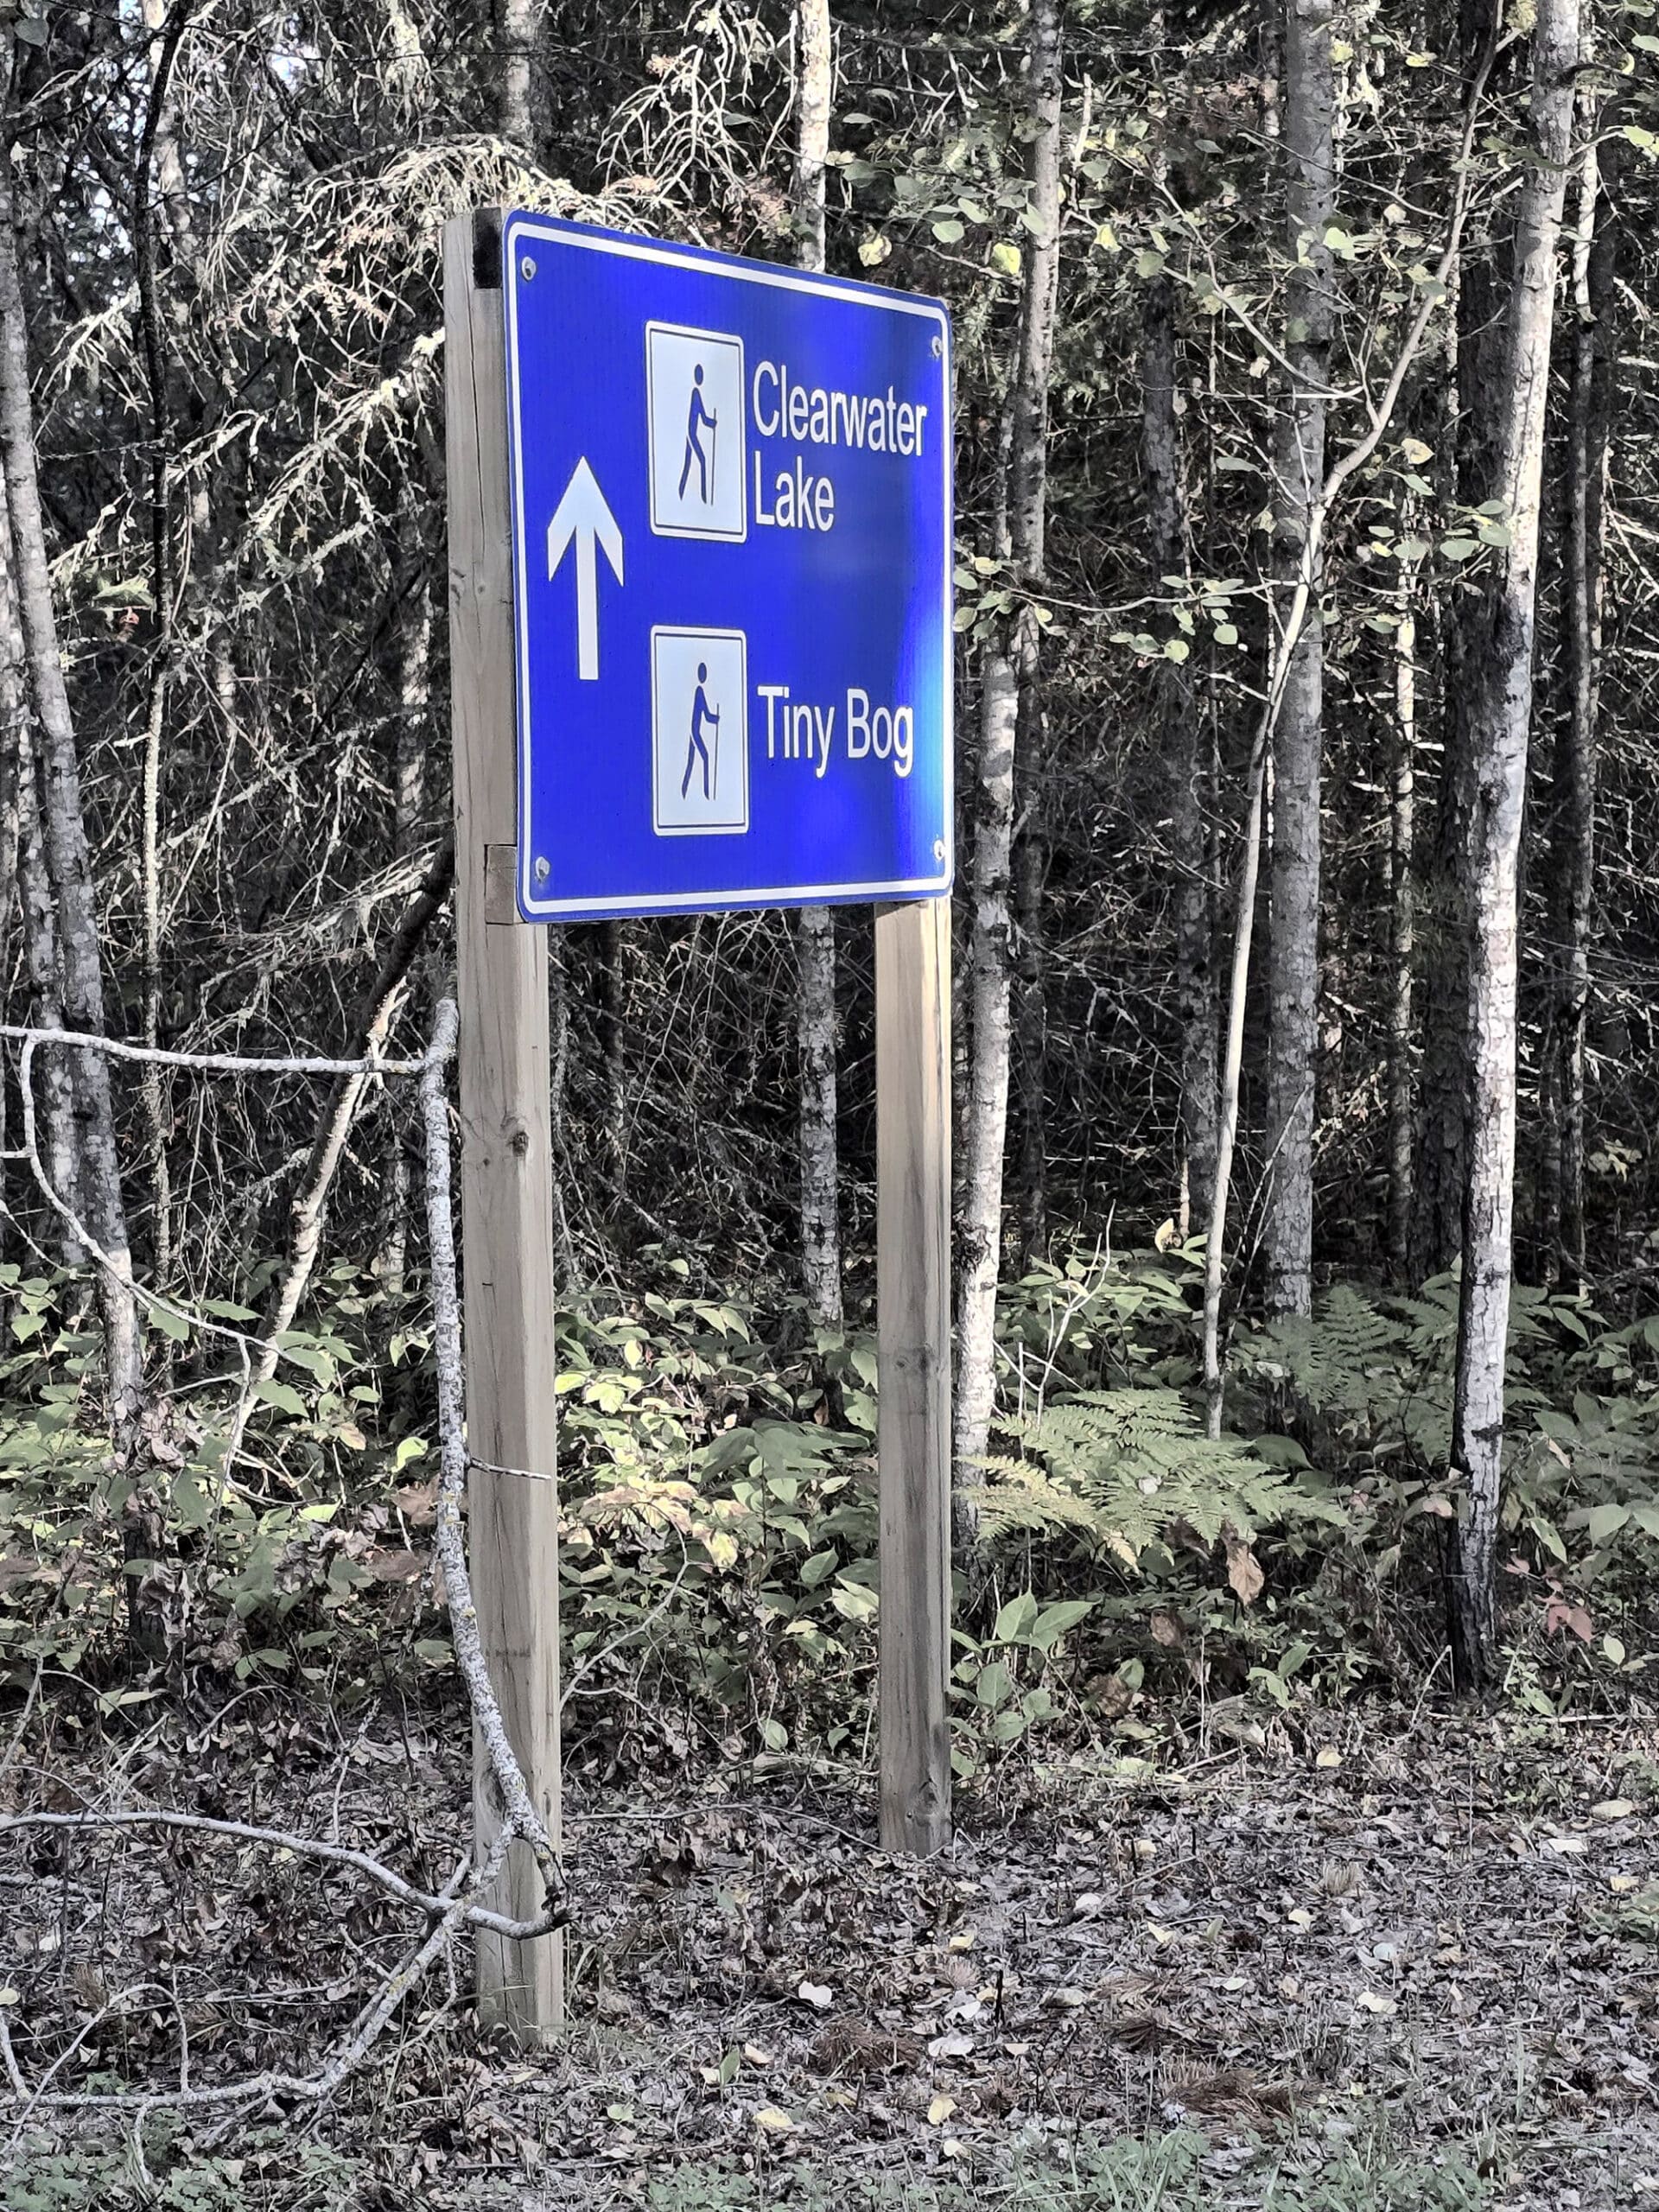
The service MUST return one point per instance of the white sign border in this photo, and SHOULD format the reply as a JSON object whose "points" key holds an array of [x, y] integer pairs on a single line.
{"points": [[547, 230]]}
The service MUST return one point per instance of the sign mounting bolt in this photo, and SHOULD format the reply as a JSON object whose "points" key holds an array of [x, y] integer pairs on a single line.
{"points": [[938, 850], [526, 268], [938, 347], [543, 870]]}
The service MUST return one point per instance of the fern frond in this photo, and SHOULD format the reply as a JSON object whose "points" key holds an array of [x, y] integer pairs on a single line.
{"points": [[1120, 1466]]}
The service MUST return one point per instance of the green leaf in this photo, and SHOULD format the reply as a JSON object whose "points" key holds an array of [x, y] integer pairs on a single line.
{"points": [[283, 1397], [1460, 548], [1005, 256], [1148, 263], [993, 1684], [1053, 1623], [175, 1325], [853, 1603], [1016, 1619], [1603, 1521], [950, 232]]}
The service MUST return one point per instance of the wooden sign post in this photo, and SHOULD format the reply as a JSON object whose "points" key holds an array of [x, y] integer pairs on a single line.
{"points": [[912, 1296], [507, 1141]]}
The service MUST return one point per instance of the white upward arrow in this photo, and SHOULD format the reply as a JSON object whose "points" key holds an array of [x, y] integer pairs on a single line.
{"points": [[582, 514]]}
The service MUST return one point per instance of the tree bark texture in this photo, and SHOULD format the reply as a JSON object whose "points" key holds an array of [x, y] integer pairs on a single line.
{"points": [[1010, 706], [1469, 474], [521, 29], [40, 932], [1186, 748], [1402, 803], [1298, 740], [68, 862], [1498, 627], [1573, 841], [815, 927]]}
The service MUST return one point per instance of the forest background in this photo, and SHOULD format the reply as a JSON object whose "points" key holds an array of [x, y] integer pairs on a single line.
{"points": [[1304, 1021]]}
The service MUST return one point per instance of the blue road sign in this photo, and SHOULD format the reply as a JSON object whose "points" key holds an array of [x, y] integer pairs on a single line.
{"points": [[731, 516]]}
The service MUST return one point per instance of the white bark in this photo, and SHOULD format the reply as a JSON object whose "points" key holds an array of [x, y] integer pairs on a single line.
{"points": [[1010, 706], [1498, 713], [815, 927]]}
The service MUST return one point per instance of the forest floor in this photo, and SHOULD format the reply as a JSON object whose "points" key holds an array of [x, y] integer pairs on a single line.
{"points": [[1420, 1943]]}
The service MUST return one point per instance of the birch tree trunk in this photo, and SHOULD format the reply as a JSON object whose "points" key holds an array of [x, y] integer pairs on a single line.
{"points": [[1030, 879], [521, 24], [67, 859], [1572, 843], [815, 927], [1185, 747], [1298, 473], [1010, 706], [1498, 624], [1403, 803]]}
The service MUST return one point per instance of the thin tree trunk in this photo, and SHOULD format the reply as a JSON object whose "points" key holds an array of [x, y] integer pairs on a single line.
{"points": [[1184, 742], [1573, 845], [1401, 924], [1466, 471], [1031, 870], [68, 861], [815, 927], [40, 964], [1498, 624], [1011, 706], [1299, 471], [158, 152]]}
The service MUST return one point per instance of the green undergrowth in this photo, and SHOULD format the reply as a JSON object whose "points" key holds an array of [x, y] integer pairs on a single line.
{"points": [[1176, 2172], [718, 1481]]}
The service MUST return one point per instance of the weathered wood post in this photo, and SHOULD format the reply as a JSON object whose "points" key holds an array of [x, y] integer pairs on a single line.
{"points": [[912, 1126], [506, 1148]]}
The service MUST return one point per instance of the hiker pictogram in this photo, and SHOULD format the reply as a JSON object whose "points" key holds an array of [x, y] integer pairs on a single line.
{"points": [[700, 767], [697, 750], [695, 417]]}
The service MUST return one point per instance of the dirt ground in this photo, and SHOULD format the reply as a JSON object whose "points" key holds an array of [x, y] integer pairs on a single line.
{"points": [[1450, 1923]]}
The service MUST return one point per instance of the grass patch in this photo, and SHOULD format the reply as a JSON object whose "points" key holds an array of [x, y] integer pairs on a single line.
{"points": [[1177, 2172]]}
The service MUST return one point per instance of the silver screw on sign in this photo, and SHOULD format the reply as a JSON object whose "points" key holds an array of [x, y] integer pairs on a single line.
{"points": [[542, 871], [526, 268]]}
